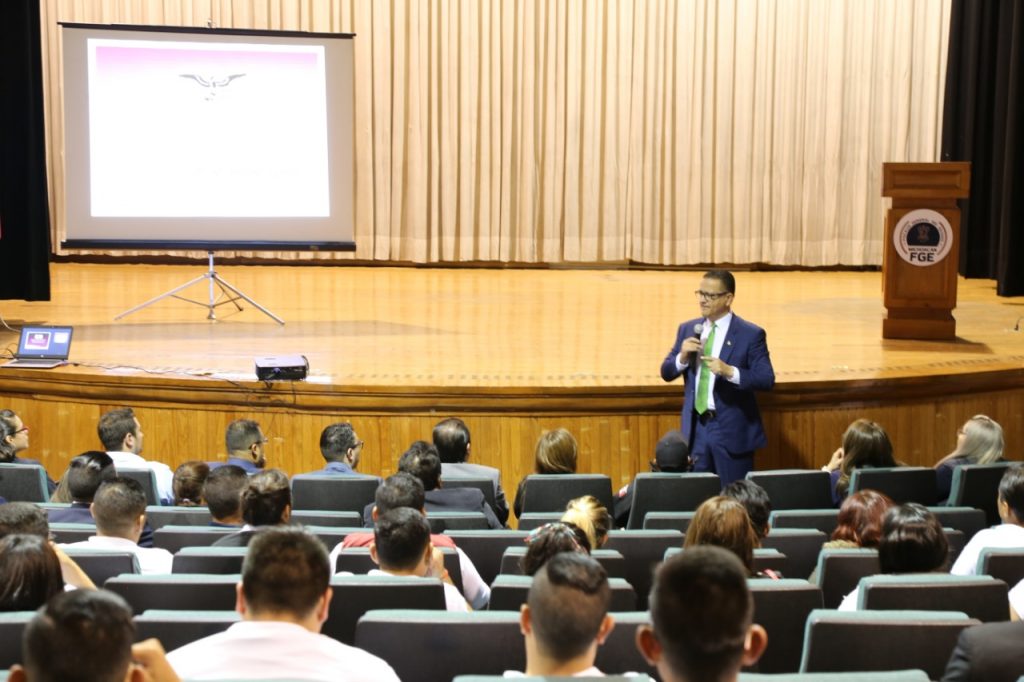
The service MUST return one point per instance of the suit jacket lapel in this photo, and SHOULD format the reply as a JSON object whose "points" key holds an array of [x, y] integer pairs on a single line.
{"points": [[730, 340]]}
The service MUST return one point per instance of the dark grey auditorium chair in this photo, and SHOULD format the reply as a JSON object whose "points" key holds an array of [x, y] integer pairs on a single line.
{"points": [[551, 492], [965, 519], [481, 483], [333, 493], [194, 592], [355, 595], [1005, 564], [210, 560], [869, 641], [902, 484], [840, 571], [146, 478], [819, 519], [801, 547], [643, 550], [764, 559], [173, 538], [65, 533], [12, 625], [508, 593], [781, 607], [175, 629], [456, 520], [613, 562], [23, 483], [878, 676], [357, 561], [159, 517], [101, 564], [679, 521], [331, 519], [980, 596], [795, 488], [485, 548], [977, 485], [538, 519], [658, 492]]}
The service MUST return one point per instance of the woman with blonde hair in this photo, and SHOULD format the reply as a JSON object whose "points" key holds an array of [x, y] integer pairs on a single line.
{"points": [[865, 445], [555, 454], [588, 513], [978, 441]]}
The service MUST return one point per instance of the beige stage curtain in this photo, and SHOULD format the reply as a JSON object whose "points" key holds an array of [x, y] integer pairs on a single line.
{"points": [[658, 131]]}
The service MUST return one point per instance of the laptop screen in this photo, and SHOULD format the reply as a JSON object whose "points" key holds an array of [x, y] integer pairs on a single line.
{"points": [[45, 342]]}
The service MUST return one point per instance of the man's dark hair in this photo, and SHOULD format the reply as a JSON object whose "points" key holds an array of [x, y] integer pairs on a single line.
{"points": [[7, 428], [86, 472], [23, 518], [265, 498], [1011, 490], [725, 277], [79, 635], [701, 609], [451, 438], [223, 491], [114, 426], [422, 461], [31, 572], [116, 506], [336, 440], [756, 501], [912, 541], [286, 570], [188, 481], [399, 490], [568, 601], [241, 434], [401, 537], [549, 540]]}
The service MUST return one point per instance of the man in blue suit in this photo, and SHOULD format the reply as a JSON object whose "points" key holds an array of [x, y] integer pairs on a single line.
{"points": [[723, 360]]}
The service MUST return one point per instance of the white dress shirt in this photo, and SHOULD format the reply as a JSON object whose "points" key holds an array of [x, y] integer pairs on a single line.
{"points": [[721, 330], [152, 560], [1007, 535], [164, 475]]}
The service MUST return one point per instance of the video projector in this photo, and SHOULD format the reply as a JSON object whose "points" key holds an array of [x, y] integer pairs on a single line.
{"points": [[282, 368]]}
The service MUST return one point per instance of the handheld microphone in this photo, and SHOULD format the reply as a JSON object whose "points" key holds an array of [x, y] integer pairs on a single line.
{"points": [[698, 329]]}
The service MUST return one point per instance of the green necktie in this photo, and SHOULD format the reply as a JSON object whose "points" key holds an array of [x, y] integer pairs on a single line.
{"points": [[705, 375]]}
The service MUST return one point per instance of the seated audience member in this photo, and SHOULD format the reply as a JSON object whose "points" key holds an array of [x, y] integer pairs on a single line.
{"points": [[1009, 534], [121, 436], [589, 514], [555, 454], [266, 501], [283, 600], [550, 539], [88, 635], [702, 618], [119, 509], [978, 441], [222, 491], [401, 546], [25, 518], [859, 524], [912, 542], [451, 438], [865, 445], [990, 652], [405, 490], [246, 445], [723, 522], [188, 483], [755, 500], [341, 448], [83, 478], [671, 455], [30, 572], [421, 460], [565, 618], [14, 439]]}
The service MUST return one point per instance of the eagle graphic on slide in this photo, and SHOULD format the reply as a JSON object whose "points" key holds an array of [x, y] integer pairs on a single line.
{"points": [[212, 84]]}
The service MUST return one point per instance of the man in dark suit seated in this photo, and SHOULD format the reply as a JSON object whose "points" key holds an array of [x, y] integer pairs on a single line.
{"points": [[223, 494], [991, 652], [246, 446], [340, 447], [451, 438]]}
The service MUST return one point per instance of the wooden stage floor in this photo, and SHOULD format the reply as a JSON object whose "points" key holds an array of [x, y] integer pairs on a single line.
{"points": [[553, 344]]}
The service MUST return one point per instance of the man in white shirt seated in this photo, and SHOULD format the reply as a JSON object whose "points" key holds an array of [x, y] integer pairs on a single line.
{"points": [[1009, 534], [283, 600], [401, 546], [565, 618], [121, 435], [119, 509]]}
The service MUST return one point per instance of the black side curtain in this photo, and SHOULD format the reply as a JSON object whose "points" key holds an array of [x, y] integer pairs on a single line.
{"points": [[983, 122], [24, 211]]}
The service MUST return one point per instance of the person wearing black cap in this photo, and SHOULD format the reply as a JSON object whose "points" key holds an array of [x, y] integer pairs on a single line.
{"points": [[671, 455]]}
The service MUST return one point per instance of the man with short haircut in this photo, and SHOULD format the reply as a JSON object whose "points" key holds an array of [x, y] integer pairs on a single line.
{"points": [[25, 518], [266, 501], [451, 438], [401, 547], [223, 494], [1009, 534], [283, 600], [422, 461], [245, 445], [88, 635], [755, 500], [340, 447], [119, 509], [121, 436], [702, 614], [565, 618]]}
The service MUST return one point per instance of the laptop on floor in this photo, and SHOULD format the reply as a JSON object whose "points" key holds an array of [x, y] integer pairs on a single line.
{"points": [[42, 347]]}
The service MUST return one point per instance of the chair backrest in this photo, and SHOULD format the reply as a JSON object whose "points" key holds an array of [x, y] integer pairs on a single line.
{"points": [[485, 548], [456, 520], [781, 607], [509, 592], [824, 520], [879, 676], [614, 563], [643, 550], [173, 538], [902, 484], [837, 641], [333, 493], [192, 592], [966, 519], [23, 483], [981, 596], [769, 559], [1005, 564], [333, 519], [537, 519], [355, 595], [551, 492], [669, 492], [175, 629], [12, 625], [801, 547], [679, 521], [159, 517], [357, 560], [482, 483], [101, 564], [795, 488], [977, 485], [957, 540], [840, 571], [146, 478], [211, 560], [66, 533]]}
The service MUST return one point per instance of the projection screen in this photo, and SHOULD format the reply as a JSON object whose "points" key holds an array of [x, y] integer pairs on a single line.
{"points": [[213, 139]]}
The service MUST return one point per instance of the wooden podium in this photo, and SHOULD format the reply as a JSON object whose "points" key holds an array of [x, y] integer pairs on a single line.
{"points": [[921, 253]]}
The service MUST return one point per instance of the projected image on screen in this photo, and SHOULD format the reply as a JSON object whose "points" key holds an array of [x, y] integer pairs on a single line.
{"points": [[201, 129]]}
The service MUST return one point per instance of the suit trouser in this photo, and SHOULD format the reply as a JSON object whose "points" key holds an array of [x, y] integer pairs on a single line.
{"points": [[709, 454]]}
